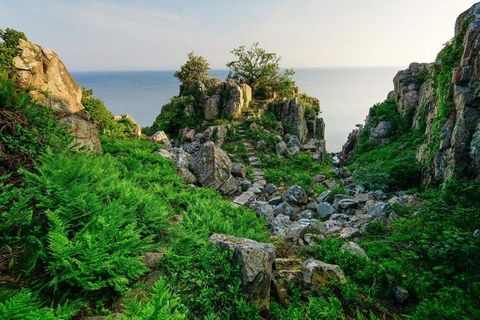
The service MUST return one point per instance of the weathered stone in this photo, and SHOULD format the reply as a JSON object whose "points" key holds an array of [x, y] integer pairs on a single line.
{"points": [[187, 175], [298, 229], [353, 248], [330, 184], [348, 232], [152, 260], [261, 144], [238, 170], [211, 107], [281, 148], [275, 200], [379, 211], [280, 224], [211, 166], [187, 135], [229, 186], [264, 210], [319, 178], [292, 113], [283, 208], [255, 260], [245, 198], [318, 272], [326, 196], [295, 195], [245, 184], [347, 204], [325, 209], [270, 188], [401, 294], [161, 137], [380, 134], [164, 153], [40, 72]]}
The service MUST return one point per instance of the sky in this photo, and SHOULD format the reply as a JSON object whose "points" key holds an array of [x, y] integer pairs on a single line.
{"points": [[157, 35]]}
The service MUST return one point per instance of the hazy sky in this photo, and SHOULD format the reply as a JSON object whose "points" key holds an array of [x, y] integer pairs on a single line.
{"points": [[148, 34]]}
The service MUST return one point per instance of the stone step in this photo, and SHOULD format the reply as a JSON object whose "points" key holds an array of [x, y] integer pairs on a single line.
{"points": [[255, 164]]}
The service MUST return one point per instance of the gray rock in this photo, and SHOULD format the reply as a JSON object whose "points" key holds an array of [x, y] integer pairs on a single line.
{"points": [[166, 154], [152, 260], [255, 260], [187, 175], [293, 142], [238, 170], [280, 224], [330, 184], [379, 195], [298, 229], [312, 267], [245, 185], [295, 195], [359, 188], [353, 248], [401, 294], [281, 148], [326, 196], [245, 198], [270, 188], [230, 186], [264, 210], [476, 233], [379, 211], [381, 132], [325, 209], [284, 209], [347, 204], [275, 200], [211, 166], [261, 144], [161, 137], [307, 214], [319, 178]]}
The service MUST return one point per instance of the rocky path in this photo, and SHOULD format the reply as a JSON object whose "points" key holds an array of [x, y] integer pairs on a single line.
{"points": [[256, 190]]}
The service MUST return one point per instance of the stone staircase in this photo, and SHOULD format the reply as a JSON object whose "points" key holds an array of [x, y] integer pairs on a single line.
{"points": [[258, 180]]}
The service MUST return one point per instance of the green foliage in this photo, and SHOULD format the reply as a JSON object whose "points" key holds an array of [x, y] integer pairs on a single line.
{"points": [[193, 71], [260, 69], [173, 116], [28, 130], [433, 254], [449, 58], [162, 304], [24, 305], [296, 169], [9, 50], [392, 166]]}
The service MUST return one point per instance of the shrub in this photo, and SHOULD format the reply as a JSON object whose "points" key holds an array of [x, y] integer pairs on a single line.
{"points": [[193, 71], [9, 50]]}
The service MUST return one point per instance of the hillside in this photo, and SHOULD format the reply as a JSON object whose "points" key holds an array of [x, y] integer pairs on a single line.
{"points": [[228, 206]]}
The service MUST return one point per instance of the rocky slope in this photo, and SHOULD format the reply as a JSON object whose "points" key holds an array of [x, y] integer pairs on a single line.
{"points": [[440, 99], [41, 73]]}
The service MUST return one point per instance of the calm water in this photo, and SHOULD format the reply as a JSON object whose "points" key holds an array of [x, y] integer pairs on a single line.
{"points": [[345, 94]]}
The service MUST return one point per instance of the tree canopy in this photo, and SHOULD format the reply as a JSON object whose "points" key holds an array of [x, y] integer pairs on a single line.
{"points": [[195, 69], [8, 49]]}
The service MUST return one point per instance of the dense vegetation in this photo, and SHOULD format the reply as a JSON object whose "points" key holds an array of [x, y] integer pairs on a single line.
{"points": [[8, 49], [75, 226], [391, 166]]}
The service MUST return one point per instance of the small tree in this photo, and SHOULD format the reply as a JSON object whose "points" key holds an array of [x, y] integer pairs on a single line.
{"points": [[8, 49], [194, 70], [254, 66]]}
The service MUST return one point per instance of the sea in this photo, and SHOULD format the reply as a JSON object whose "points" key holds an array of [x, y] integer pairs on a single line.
{"points": [[345, 94]]}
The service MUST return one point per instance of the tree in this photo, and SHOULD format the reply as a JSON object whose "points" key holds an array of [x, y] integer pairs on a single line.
{"points": [[8, 49], [254, 66], [194, 70]]}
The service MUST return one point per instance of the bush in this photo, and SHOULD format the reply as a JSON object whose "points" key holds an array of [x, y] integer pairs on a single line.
{"points": [[104, 119], [193, 71], [9, 50]]}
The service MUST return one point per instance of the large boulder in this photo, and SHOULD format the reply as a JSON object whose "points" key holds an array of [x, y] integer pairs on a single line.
{"points": [[238, 98], [292, 114], [161, 137], [211, 166], [41, 73], [317, 272], [255, 260]]}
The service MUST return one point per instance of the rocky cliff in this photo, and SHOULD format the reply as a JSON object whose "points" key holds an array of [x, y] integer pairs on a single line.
{"points": [[40, 72], [440, 100]]}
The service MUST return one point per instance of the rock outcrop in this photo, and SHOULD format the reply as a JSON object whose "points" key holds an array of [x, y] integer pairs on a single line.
{"points": [[228, 101], [255, 260], [211, 166], [450, 118], [41, 73]]}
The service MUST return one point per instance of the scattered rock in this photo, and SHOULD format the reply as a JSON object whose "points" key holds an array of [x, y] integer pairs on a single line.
{"points": [[238, 170], [353, 248], [330, 184], [270, 188], [255, 260], [261, 144], [298, 229], [211, 166], [187, 176], [245, 184], [295, 195], [318, 272], [319, 178], [166, 154], [275, 200], [152, 260], [325, 209], [281, 148], [401, 294], [245, 198], [229, 186], [347, 204], [326, 196], [284, 208], [280, 224]]}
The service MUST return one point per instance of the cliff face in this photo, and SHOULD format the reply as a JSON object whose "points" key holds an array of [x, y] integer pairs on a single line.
{"points": [[442, 101], [40, 72]]}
